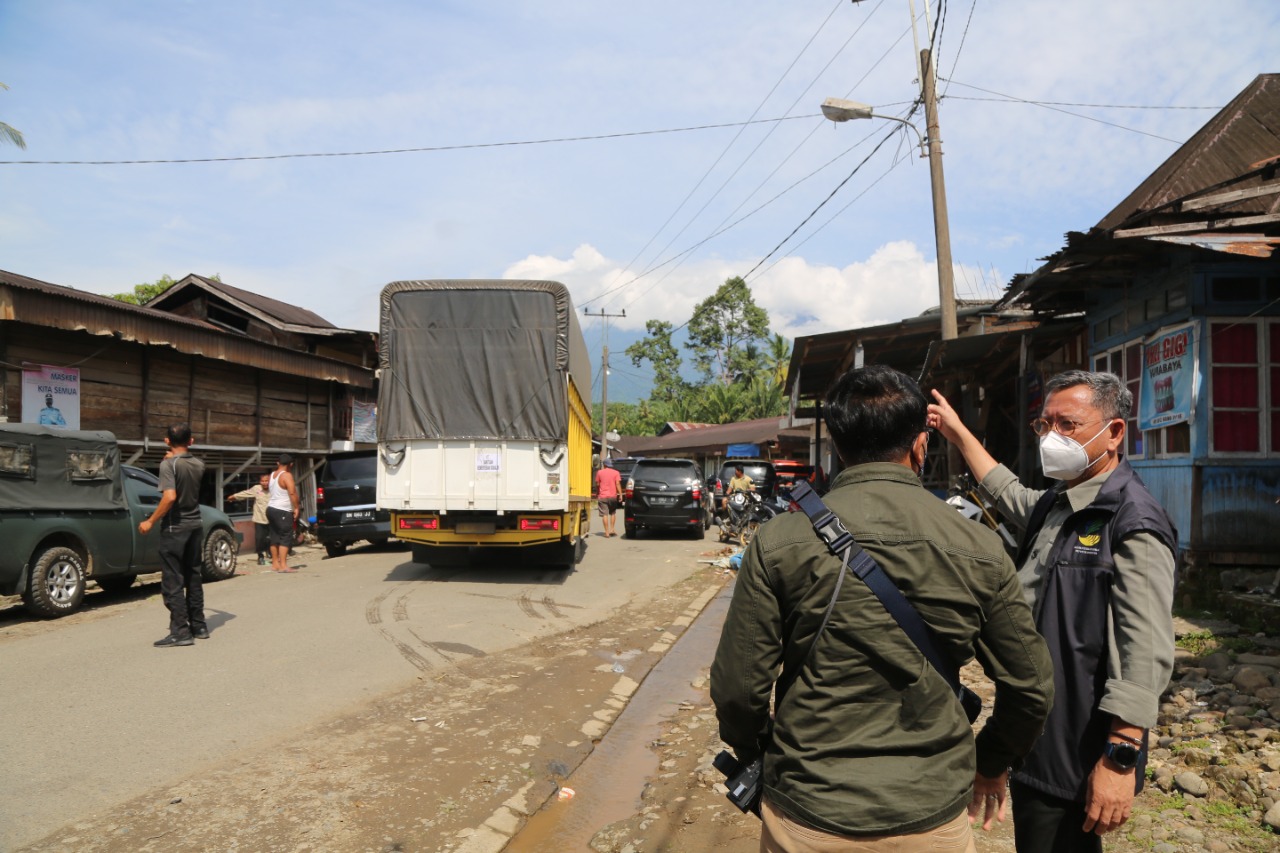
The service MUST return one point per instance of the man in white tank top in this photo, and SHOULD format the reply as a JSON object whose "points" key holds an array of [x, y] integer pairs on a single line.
{"points": [[282, 512]]}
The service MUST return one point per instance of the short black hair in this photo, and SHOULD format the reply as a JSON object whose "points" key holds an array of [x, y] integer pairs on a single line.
{"points": [[179, 434], [285, 459], [875, 414]]}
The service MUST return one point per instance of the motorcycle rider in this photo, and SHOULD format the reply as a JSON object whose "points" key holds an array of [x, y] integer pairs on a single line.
{"points": [[740, 482]]}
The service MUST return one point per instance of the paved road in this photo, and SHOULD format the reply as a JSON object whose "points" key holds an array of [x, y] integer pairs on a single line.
{"points": [[93, 715]]}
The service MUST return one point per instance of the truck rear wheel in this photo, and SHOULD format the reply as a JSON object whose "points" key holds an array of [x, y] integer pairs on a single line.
{"points": [[219, 555], [57, 583]]}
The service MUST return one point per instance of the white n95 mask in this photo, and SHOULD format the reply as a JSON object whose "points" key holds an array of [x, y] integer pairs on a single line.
{"points": [[1064, 458]]}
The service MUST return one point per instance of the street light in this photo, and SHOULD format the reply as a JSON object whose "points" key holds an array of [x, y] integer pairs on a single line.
{"points": [[838, 109]]}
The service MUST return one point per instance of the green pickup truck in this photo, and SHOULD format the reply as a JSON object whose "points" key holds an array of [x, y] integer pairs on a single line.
{"points": [[69, 513]]}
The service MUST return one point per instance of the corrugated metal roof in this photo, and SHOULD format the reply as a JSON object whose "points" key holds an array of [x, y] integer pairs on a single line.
{"points": [[282, 315], [1233, 142], [715, 438], [41, 303]]}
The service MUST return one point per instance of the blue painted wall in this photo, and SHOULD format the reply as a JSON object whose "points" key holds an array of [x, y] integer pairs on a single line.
{"points": [[1234, 507]]}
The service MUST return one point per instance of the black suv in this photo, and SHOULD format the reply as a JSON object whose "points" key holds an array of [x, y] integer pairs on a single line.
{"points": [[346, 502], [762, 474], [666, 494]]}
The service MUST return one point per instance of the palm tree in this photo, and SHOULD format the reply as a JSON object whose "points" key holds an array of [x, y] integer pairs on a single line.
{"points": [[10, 134], [779, 358]]}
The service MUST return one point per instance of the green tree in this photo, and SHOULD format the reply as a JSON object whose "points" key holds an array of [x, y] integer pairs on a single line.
{"points": [[779, 358], [661, 353], [724, 331], [11, 134], [148, 290]]}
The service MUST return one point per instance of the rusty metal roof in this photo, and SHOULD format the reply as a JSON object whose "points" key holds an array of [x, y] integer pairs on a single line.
{"points": [[1238, 140]]}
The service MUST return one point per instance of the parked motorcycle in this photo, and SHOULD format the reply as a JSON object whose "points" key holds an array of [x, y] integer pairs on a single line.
{"points": [[745, 512], [964, 496]]}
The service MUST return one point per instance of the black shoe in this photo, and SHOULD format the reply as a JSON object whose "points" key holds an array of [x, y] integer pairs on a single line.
{"points": [[173, 641], [200, 633]]}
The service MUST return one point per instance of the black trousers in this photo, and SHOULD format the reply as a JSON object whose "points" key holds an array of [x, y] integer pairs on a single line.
{"points": [[1043, 823], [262, 539], [180, 582]]}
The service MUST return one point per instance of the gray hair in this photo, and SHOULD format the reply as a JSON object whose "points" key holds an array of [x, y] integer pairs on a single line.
{"points": [[1110, 397]]}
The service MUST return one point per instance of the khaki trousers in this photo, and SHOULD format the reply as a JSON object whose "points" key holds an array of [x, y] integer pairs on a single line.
{"points": [[782, 834]]}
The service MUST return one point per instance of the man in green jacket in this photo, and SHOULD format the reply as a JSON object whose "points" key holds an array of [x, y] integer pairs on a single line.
{"points": [[866, 740]]}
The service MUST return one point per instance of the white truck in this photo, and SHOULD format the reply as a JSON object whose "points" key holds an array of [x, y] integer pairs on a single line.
{"points": [[484, 430]]}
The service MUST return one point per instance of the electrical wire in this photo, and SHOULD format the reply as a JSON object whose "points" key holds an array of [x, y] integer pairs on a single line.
{"points": [[424, 149], [759, 144], [964, 35], [1069, 112], [721, 156], [823, 203]]}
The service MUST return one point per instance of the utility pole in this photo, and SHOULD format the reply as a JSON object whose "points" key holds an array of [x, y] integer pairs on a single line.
{"points": [[941, 227], [604, 381]]}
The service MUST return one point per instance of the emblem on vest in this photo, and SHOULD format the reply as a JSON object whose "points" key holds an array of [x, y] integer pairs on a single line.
{"points": [[1087, 541]]}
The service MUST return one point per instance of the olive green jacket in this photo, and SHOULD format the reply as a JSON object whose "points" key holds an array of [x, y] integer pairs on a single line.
{"points": [[868, 739]]}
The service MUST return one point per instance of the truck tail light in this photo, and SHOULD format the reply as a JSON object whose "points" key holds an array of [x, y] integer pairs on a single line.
{"points": [[539, 524], [420, 523]]}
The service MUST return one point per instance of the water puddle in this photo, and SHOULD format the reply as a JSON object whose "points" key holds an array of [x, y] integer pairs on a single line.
{"points": [[608, 783]]}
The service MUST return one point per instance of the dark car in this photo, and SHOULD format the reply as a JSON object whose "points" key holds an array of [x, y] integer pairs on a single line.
{"points": [[346, 502], [666, 494], [762, 474], [624, 465]]}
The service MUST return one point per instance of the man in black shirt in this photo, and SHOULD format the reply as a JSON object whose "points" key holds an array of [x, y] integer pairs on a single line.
{"points": [[181, 539]]}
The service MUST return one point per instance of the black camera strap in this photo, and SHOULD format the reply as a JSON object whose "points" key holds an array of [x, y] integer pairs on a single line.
{"points": [[842, 544]]}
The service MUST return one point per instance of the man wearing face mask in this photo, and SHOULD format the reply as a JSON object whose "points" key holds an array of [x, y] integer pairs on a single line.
{"points": [[1096, 559]]}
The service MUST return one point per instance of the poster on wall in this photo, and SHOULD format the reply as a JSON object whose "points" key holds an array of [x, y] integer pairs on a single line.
{"points": [[364, 421], [51, 396], [1169, 377]]}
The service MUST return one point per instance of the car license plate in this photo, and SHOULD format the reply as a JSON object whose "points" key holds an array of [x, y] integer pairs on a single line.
{"points": [[664, 501], [358, 515]]}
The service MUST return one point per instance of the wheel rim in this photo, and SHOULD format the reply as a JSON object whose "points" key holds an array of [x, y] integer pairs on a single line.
{"points": [[223, 559], [748, 533], [63, 580]]}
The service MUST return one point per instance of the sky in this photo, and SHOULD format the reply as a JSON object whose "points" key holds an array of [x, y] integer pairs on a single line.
{"points": [[689, 145]]}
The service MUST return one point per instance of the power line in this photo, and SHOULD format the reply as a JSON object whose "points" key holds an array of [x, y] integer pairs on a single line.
{"points": [[1006, 100], [785, 159], [964, 35], [424, 149], [821, 204], [716, 162], [1068, 112]]}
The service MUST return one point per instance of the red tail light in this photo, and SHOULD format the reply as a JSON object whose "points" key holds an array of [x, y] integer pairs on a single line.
{"points": [[419, 524], [697, 494], [539, 524], [630, 493], [319, 494]]}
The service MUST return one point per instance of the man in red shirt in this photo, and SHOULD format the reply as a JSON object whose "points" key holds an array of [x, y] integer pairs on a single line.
{"points": [[608, 493]]}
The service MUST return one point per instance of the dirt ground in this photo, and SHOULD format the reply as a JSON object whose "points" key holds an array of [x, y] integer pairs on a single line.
{"points": [[420, 770], [684, 809]]}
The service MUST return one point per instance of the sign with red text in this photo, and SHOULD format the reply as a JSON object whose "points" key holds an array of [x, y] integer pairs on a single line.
{"points": [[1169, 377], [51, 396]]}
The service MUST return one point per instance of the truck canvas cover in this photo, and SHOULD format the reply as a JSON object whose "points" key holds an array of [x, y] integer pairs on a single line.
{"points": [[43, 468], [481, 359]]}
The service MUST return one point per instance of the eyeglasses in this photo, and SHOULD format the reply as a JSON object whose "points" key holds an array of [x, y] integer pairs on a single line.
{"points": [[1064, 426]]}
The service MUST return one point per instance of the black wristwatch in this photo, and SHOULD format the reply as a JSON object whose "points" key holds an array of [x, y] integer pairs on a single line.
{"points": [[1122, 755]]}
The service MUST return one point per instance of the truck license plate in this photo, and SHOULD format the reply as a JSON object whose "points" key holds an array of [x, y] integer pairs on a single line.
{"points": [[358, 515], [476, 527]]}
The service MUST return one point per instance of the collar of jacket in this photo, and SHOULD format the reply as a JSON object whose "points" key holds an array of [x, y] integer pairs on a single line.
{"points": [[875, 471]]}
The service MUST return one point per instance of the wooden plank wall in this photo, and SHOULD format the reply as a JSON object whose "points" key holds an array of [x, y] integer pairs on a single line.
{"points": [[220, 400]]}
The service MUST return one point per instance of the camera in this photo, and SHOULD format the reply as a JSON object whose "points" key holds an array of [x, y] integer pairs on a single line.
{"points": [[742, 781]]}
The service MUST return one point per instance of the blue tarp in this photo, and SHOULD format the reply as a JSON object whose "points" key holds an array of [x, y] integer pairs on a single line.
{"points": [[743, 450]]}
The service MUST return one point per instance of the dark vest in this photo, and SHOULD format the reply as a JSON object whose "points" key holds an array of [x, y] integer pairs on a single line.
{"points": [[1072, 615]]}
